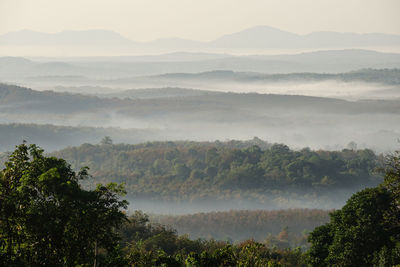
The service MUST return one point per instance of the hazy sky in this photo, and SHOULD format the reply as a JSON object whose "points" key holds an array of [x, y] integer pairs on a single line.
{"points": [[201, 19]]}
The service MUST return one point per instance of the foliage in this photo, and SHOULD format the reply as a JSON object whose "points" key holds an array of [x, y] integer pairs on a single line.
{"points": [[47, 219], [205, 171], [392, 176], [156, 245], [240, 225], [365, 232]]}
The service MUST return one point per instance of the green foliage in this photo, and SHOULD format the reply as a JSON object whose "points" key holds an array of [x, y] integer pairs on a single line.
{"points": [[210, 171], [46, 218], [365, 232], [392, 176], [150, 244]]}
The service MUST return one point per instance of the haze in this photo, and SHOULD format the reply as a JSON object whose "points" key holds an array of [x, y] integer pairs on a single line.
{"points": [[317, 74], [145, 20]]}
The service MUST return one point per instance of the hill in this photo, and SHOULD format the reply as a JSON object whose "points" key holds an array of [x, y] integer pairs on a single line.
{"points": [[74, 38], [306, 120], [331, 61], [269, 37], [226, 175], [55, 137], [257, 37], [383, 76], [151, 93]]}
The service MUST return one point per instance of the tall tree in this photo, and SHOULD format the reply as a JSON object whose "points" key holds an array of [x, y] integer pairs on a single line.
{"points": [[47, 218], [366, 231]]}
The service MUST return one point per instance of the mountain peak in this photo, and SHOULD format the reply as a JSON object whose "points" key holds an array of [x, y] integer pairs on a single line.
{"points": [[266, 29], [257, 37]]}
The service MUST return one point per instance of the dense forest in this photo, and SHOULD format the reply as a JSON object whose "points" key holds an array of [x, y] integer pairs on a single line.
{"points": [[208, 171], [48, 219], [182, 147]]}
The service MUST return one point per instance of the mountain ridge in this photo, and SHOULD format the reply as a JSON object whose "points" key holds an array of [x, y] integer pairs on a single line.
{"points": [[260, 36]]}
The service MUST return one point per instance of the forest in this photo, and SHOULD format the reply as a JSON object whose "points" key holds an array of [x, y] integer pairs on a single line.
{"points": [[264, 173], [176, 133], [48, 219], [240, 225]]}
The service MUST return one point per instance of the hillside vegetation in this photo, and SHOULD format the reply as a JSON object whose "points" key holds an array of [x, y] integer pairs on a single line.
{"points": [[206, 171]]}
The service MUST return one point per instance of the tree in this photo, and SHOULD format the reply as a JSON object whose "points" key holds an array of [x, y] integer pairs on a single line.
{"points": [[392, 176], [391, 183], [352, 145], [366, 231], [47, 218], [106, 141], [356, 233], [321, 239]]}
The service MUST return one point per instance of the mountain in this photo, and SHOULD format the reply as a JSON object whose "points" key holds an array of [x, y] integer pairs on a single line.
{"points": [[168, 57], [341, 56], [259, 37], [149, 93], [348, 39], [378, 76], [268, 37], [18, 69], [69, 38]]}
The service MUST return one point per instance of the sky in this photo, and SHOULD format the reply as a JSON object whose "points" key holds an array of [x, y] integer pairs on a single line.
{"points": [[204, 20]]}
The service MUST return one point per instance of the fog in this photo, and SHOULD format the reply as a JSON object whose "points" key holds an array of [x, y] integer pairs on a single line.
{"points": [[330, 89], [199, 119], [331, 200], [207, 97], [219, 120]]}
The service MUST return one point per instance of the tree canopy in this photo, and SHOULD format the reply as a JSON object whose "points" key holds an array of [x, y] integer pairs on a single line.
{"points": [[47, 218], [203, 171], [366, 231]]}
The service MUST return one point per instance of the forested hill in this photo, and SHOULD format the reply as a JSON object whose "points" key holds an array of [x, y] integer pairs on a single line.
{"points": [[191, 171], [55, 137], [292, 119], [383, 76]]}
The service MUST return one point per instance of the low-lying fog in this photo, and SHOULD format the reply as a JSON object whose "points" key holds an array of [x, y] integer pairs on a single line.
{"points": [[326, 202], [351, 90], [186, 114]]}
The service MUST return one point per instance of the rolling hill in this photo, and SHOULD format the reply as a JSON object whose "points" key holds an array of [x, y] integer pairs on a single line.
{"points": [[296, 120]]}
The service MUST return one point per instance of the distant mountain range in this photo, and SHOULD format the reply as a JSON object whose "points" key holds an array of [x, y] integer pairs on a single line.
{"points": [[264, 36], [89, 37], [259, 37], [74, 70]]}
